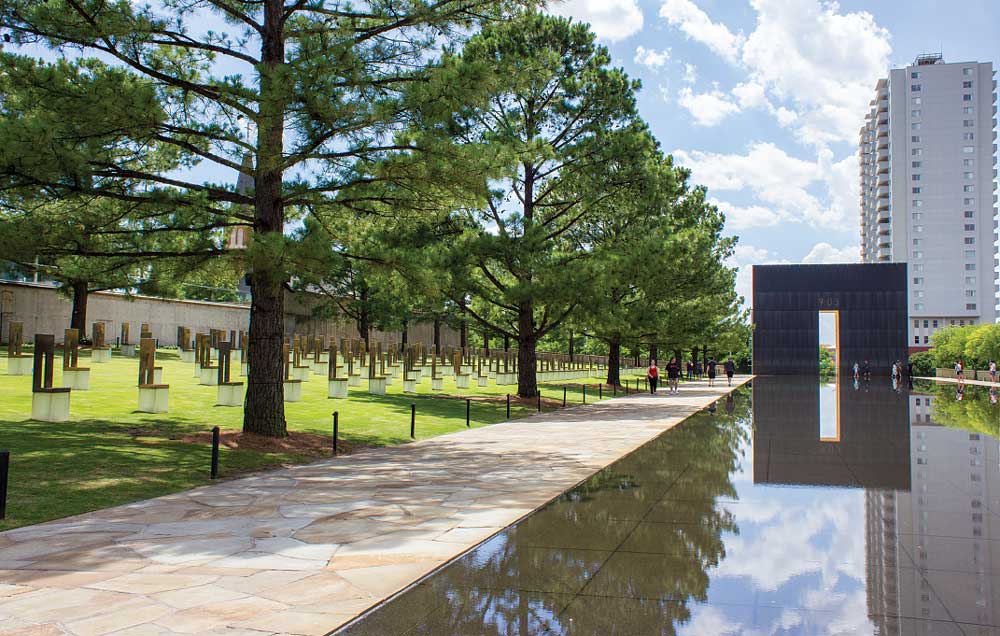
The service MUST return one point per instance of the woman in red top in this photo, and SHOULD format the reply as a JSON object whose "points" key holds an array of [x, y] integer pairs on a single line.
{"points": [[652, 374]]}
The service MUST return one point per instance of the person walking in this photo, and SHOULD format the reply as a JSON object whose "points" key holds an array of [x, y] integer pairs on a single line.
{"points": [[673, 374], [711, 372], [652, 374], [690, 370], [993, 371], [857, 371], [730, 368], [866, 370], [960, 371]]}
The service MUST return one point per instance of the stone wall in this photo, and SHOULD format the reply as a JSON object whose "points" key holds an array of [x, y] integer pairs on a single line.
{"points": [[43, 309]]}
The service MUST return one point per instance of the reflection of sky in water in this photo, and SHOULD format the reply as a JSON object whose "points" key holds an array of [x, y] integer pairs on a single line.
{"points": [[829, 427], [799, 559]]}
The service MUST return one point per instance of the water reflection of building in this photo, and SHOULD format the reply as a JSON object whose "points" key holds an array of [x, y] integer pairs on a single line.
{"points": [[945, 524], [930, 493]]}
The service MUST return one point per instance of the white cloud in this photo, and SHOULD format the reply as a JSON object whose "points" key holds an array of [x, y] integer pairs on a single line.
{"points": [[741, 218], [690, 73], [696, 24], [708, 109], [790, 187], [651, 57], [824, 253], [812, 67], [611, 20], [820, 62]]}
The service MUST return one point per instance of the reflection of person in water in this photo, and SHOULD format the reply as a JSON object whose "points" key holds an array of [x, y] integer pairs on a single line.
{"points": [[730, 404], [857, 385], [993, 395], [960, 393]]}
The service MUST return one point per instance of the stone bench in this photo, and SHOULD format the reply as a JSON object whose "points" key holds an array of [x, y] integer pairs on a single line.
{"points": [[50, 405], [230, 394], [153, 398], [77, 378]]}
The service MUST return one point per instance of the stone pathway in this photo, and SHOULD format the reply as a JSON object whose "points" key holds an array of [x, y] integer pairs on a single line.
{"points": [[305, 549], [955, 381]]}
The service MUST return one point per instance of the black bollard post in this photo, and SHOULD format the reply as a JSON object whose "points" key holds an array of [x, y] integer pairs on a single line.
{"points": [[508, 406], [584, 393], [413, 421], [539, 400], [4, 473], [468, 407], [564, 397], [600, 392], [215, 452], [336, 431]]}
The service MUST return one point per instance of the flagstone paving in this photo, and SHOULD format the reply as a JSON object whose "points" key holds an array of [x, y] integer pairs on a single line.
{"points": [[304, 550]]}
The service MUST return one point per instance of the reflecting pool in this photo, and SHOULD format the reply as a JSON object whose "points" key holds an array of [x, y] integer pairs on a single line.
{"points": [[792, 507]]}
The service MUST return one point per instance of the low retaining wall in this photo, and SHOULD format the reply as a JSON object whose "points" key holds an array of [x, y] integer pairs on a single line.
{"points": [[43, 309]]}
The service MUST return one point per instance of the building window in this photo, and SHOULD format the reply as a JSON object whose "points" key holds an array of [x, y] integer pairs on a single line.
{"points": [[916, 152], [927, 339], [970, 240], [915, 113], [918, 294], [970, 280], [969, 188], [917, 216], [970, 227], [969, 214], [918, 255], [971, 254], [968, 163], [918, 228], [968, 150], [914, 75], [968, 136], [970, 267], [915, 126], [967, 84], [918, 306], [967, 97], [917, 242], [916, 325], [968, 123], [918, 281], [917, 203], [970, 306], [968, 201], [967, 71], [915, 177], [915, 88], [916, 339], [969, 175], [970, 293], [916, 190], [918, 268], [916, 101], [915, 139], [915, 164], [935, 323]]}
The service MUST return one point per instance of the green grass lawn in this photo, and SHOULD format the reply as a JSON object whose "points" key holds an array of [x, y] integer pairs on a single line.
{"points": [[109, 454]]}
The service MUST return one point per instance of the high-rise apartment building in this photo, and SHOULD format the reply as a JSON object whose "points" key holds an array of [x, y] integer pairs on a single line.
{"points": [[928, 168]]}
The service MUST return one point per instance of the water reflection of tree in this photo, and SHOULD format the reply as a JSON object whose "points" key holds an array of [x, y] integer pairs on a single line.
{"points": [[523, 580], [975, 411]]}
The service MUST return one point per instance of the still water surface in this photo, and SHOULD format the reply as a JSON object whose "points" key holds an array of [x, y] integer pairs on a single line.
{"points": [[792, 507]]}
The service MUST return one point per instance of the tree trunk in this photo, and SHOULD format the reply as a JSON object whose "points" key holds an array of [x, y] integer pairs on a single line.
{"points": [[437, 336], [463, 334], [614, 362], [405, 335], [571, 347], [264, 409], [364, 326], [486, 341], [527, 378], [506, 342], [78, 317]]}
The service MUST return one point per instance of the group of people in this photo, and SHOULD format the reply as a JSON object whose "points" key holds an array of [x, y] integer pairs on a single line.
{"points": [[673, 370], [960, 371], [864, 370]]}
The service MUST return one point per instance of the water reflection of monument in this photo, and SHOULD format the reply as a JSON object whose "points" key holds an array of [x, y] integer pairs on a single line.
{"points": [[929, 494], [811, 433]]}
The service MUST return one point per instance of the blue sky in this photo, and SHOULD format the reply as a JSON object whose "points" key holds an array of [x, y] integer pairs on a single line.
{"points": [[763, 100]]}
